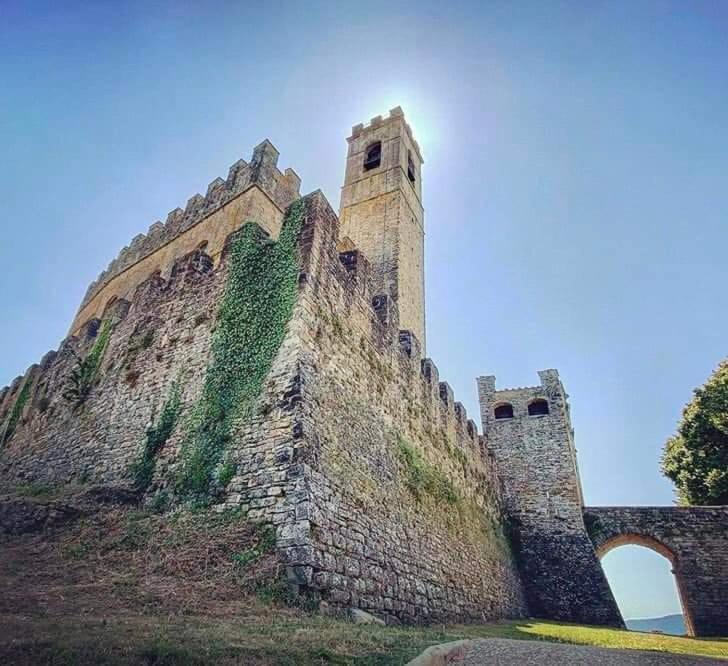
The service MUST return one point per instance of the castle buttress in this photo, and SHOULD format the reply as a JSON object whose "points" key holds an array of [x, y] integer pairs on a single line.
{"points": [[381, 212]]}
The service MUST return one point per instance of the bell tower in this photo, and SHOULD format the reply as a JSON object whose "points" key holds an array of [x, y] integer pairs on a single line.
{"points": [[381, 211]]}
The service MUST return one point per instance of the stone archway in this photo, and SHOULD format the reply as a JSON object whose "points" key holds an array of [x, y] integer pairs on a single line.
{"points": [[695, 542], [634, 539]]}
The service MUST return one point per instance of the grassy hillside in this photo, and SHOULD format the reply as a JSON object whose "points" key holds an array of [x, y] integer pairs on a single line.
{"points": [[128, 587]]}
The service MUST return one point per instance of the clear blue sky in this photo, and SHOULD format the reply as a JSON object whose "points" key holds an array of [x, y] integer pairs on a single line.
{"points": [[575, 179]]}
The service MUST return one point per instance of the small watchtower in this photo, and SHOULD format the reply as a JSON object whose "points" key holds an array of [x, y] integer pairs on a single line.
{"points": [[529, 431], [381, 211]]}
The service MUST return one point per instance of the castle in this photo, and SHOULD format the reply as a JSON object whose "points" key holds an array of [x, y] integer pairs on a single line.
{"points": [[258, 351]]}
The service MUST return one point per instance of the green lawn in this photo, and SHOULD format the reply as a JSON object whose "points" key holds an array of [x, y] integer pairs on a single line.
{"points": [[612, 638]]}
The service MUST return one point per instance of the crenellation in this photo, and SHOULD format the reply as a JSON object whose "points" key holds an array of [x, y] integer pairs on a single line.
{"points": [[472, 429], [194, 205], [383, 494], [431, 373], [48, 359], [282, 188], [213, 189], [447, 396], [410, 346], [461, 415]]}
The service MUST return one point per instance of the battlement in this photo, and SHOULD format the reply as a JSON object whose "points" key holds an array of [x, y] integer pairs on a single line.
{"points": [[399, 349], [375, 317], [280, 188], [519, 398], [529, 431], [395, 114]]}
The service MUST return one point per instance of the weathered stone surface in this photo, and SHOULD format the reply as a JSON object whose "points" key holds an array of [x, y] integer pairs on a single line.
{"points": [[358, 616], [255, 191], [319, 458], [376, 544], [695, 541], [558, 542], [383, 495], [381, 212], [536, 458]]}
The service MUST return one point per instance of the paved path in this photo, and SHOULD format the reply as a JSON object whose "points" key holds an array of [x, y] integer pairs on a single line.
{"points": [[508, 652]]}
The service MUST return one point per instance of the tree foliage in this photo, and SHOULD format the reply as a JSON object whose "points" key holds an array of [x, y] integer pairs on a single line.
{"points": [[696, 458]]}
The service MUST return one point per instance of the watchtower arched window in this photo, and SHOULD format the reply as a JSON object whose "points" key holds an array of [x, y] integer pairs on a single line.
{"points": [[504, 411], [410, 167], [538, 407], [373, 156]]}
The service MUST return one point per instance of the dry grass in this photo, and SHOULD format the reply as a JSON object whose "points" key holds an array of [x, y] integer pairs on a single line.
{"points": [[124, 587]]}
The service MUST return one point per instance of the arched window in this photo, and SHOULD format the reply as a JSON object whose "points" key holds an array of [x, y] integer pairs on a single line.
{"points": [[410, 167], [538, 407], [373, 156], [504, 411]]}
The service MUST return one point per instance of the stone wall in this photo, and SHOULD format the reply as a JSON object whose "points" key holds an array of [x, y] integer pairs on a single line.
{"points": [[161, 335], [382, 492], [536, 458], [381, 211], [694, 540], [256, 191], [411, 544]]}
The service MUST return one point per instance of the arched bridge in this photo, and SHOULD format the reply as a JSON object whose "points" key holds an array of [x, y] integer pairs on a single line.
{"points": [[693, 539]]}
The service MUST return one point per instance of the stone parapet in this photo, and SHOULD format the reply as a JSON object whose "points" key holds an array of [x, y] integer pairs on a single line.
{"points": [[281, 188]]}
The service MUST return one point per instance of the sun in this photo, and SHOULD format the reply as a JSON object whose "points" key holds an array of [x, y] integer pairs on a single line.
{"points": [[420, 110]]}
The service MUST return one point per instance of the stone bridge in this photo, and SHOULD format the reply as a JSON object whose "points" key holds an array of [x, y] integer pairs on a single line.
{"points": [[694, 540]]}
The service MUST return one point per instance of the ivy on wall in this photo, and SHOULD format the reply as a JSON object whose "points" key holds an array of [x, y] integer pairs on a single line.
{"points": [[85, 373], [156, 436], [15, 412], [251, 323]]}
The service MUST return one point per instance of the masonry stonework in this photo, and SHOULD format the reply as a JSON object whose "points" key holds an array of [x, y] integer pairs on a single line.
{"points": [[695, 541], [536, 458], [381, 211], [252, 191], [383, 494]]}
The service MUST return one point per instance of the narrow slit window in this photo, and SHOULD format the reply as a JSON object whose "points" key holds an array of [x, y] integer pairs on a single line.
{"points": [[410, 168]]}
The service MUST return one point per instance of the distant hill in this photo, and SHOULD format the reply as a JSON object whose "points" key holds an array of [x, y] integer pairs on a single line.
{"points": [[669, 624]]}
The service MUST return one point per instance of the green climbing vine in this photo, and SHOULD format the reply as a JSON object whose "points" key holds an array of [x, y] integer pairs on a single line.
{"points": [[15, 412], [251, 323], [86, 370], [156, 435]]}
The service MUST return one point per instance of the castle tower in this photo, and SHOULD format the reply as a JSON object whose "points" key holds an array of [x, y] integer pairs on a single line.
{"points": [[381, 211], [529, 432]]}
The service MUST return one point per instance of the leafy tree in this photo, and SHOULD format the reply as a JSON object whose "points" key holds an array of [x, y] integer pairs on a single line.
{"points": [[696, 458]]}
